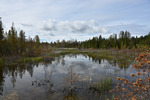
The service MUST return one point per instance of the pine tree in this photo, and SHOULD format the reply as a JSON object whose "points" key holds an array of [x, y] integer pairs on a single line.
{"points": [[22, 42], [13, 40], [1, 36]]}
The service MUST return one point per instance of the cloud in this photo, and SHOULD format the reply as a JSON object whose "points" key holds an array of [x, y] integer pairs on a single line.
{"points": [[51, 34], [69, 19], [76, 26], [135, 29], [26, 25], [49, 25]]}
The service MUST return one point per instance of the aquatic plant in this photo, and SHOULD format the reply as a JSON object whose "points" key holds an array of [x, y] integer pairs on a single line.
{"points": [[72, 77], [140, 87], [102, 86], [70, 91], [70, 94]]}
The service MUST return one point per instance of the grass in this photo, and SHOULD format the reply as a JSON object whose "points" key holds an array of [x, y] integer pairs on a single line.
{"points": [[32, 59], [105, 84], [102, 86], [9, 61]]}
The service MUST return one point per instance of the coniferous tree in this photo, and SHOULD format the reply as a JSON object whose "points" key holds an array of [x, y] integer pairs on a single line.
{"points": [[13, 40], [1, 36], [1, 31], [22, 42]]}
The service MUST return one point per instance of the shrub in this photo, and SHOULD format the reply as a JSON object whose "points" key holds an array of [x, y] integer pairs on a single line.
{"points": [[102, 86], [140, 87]]}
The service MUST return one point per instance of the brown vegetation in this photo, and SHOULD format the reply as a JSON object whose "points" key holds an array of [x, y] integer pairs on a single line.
{"points": [[140, 87]]}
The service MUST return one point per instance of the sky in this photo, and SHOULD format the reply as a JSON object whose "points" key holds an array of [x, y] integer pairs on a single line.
{"points": [[56, 20]]}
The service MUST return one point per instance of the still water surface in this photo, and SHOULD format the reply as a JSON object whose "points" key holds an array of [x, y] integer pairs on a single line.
{"points": [[47, 81]]}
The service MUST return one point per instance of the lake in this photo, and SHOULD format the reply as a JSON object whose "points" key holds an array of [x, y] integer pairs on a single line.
{"points": [[50, 81]]}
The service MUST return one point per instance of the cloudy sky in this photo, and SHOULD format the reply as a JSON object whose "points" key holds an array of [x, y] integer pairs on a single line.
{"points": [[76, 19]]}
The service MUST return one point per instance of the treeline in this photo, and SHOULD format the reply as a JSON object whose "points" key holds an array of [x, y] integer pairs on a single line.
{"points": [[65, 44], [124, 40], [13, 43]]}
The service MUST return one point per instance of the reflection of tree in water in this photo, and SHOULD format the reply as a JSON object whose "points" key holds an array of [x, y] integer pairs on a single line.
{"points": [[47, 62], [30, 69], [46, 82], [60, 59], [101, 95], [122, 62], [63, 61], [17, 70], [70, 94], [57, 60], [1, 80], [70, 91], [71, 77]]}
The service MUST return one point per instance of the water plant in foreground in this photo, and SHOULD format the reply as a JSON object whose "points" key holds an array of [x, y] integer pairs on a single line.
{"points": [[72, 77], [140, 87], [70, 91], [102, 86]]}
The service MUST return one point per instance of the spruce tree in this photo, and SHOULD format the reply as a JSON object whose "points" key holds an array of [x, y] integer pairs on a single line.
{"points": [[1, 36]]}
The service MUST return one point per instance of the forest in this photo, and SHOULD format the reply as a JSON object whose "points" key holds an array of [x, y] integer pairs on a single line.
{"points": [[124, 40], [15, 43]]}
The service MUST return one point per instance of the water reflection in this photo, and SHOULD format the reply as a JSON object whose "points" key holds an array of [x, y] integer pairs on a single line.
{"points": [[122, 63], [70, 94], [1, 80], [46, 80]]}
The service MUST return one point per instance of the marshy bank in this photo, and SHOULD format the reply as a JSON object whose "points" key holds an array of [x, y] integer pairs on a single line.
{"points": [[123, 56], [92, 74], [17, 60]]}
